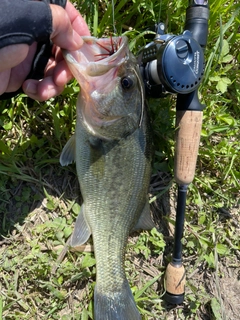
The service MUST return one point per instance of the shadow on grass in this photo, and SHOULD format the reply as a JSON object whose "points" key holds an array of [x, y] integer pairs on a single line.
{"points": [[23, 190]]}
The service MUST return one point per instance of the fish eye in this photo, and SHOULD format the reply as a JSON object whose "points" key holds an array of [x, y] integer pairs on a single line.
{"points": [[127, 83]]}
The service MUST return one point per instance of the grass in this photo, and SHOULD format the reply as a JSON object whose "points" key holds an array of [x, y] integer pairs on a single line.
{"points": [[40, 200]]}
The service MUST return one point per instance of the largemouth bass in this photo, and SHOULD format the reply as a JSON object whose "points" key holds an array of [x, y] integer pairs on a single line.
{"points": [[111, 147]]}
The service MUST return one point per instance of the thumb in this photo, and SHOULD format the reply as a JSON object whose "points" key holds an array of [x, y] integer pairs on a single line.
{"points": [[63, 34]]}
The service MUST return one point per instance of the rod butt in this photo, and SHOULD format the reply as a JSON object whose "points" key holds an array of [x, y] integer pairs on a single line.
{"points": [[174, 299]]}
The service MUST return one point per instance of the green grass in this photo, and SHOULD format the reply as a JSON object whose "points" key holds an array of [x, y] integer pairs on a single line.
{"points": [[40, 200]]}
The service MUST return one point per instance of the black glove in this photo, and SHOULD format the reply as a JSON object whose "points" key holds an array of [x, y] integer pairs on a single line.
{"points": [[18, 28]]}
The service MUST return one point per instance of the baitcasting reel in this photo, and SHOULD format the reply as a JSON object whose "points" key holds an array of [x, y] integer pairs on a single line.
{"points": [[171, 63]]}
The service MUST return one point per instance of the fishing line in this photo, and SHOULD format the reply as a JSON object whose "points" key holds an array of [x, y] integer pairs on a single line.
{"points": [[160, 11], [142, 96], [113, 16]]}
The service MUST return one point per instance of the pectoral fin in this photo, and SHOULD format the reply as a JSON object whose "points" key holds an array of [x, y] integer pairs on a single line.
{"points": [[145, 221], [81, 231], [68, 152]]}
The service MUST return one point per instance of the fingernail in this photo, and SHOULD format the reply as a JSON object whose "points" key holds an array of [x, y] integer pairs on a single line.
{"points": [[78, 41], [31, 88]]}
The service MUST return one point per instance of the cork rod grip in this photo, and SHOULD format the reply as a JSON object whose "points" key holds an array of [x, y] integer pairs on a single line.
{"points": [[188, 131], [175, 279]]}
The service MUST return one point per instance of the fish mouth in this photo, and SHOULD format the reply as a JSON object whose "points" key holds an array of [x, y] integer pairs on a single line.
{"points": [[99, 66], [97, 56]]}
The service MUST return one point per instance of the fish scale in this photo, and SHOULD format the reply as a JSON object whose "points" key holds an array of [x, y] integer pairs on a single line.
{"points": [[112, 150]]}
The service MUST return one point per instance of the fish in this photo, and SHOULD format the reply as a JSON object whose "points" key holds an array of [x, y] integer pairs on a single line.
{"points": [[112, 150]]}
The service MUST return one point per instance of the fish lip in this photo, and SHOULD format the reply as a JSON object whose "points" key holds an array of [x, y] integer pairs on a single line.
{"points": [[107, 62]]}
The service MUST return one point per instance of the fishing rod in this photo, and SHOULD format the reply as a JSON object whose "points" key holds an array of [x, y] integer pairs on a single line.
{"points": [[175, 64]]}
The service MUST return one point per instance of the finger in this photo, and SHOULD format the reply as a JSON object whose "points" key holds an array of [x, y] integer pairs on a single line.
{"points": [[48, 72], [57, 54], [63, 34], [12, 55], [58, 69], [61, 74], [18, 75], [42, 90], [4, 79], [78, 23], [20, 72]]}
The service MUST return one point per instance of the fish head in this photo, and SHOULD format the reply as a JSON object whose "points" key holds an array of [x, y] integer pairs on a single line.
{"points": [[111, 99]]}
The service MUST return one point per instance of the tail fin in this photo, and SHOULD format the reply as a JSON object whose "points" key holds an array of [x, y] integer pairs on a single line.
{"points": [[115, 305]]}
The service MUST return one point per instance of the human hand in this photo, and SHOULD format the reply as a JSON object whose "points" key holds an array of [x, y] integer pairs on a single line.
{"points": [[16, 60]]}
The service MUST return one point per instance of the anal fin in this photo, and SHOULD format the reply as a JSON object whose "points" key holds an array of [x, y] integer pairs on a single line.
{"points": [[81, 231], [145, 221]]}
